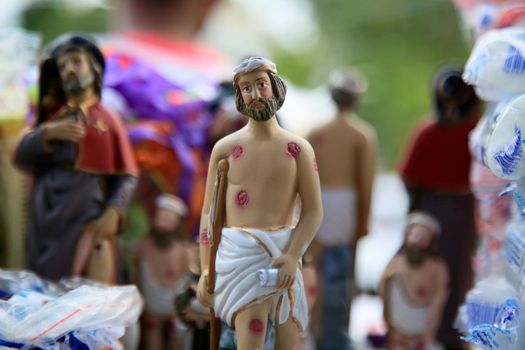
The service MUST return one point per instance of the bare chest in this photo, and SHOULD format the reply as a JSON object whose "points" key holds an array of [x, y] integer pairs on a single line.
{"points": [[420, 284], [263, 163], [166, 266]]}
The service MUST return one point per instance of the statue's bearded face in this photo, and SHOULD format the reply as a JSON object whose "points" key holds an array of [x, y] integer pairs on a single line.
{"points": [[75, 71], [256, 97], [418, 244]]}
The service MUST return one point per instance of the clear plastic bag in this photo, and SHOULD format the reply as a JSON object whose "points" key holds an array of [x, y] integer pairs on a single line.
{"points": [[18, 52], [43, 314]]}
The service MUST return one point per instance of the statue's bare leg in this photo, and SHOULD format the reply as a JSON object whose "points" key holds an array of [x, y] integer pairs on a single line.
{"points": [[151, 337], [287, 336], [102, 263], [250, 326]]}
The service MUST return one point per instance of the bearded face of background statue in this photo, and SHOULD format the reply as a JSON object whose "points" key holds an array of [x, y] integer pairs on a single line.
{"points": [[419, 244], [76, 72], [73, 64]]}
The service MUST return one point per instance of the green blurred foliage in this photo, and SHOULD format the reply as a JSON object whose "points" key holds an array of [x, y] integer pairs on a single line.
{"points": [[136, 227], [398, 44], [53, 17]]}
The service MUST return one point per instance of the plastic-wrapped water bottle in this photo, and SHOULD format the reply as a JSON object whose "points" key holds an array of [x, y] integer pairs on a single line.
{"points": [[493, 323], [496, 66], [504, 146], [484, 303], [488, 337], [508, 322], [513, 250]]}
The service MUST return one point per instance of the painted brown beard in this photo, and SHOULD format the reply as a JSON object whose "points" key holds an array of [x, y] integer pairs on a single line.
{"points": [[163, 240], [77, 84], [416, 256], [270, 106]]}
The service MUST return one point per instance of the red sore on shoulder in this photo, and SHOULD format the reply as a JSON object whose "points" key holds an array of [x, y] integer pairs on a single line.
{"points": [[237, 152], [293, 149]]}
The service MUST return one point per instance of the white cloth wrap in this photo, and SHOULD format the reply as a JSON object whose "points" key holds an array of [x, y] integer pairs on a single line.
{"points": [[405, 317], [240, 254], [159, 300]]}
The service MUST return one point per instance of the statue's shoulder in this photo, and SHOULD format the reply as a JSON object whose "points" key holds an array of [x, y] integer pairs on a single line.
{"points": [[225, 145], [288, 136]]}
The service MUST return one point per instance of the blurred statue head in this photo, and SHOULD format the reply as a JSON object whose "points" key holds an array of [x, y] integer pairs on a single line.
{"points": [[78, 49], [420, 240], [259, 91], [454, 100], [72, 64], [168, 218], [346, 87], [170, 17]]}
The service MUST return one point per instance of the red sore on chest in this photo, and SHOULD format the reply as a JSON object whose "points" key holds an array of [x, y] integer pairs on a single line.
{"points": [[421, 292], [170, 275], [242, 198]]}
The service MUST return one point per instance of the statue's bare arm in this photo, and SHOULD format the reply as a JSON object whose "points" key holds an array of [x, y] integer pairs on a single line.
{"points": [[219, 152], [310, 218]]}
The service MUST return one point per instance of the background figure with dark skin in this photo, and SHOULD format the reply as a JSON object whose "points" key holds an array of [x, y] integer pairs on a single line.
{"points": [[345, 149], [82, 165], [435, 171]]}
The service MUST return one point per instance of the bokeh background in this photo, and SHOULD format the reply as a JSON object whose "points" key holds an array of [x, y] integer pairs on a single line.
{"points": [[397, 43]]}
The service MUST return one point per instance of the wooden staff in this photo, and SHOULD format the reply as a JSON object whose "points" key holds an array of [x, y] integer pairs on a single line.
{"points": [[217, 216]]}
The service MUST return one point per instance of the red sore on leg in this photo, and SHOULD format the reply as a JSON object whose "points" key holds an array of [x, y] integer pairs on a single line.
{"points": [[237, 152], [312, 291], [204, 238], [315, 165], [242, 198], [256, 327], [293, 149]]}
